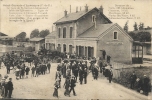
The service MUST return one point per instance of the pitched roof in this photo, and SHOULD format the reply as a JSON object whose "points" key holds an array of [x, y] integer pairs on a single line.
{"points": [[100, 30], [51, 35], [95, 32], [75, 16], [2, 34], [5, 37], [36, 39]]}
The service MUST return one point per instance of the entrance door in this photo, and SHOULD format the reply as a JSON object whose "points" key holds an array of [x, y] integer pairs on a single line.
{"points": [[70, 49], [137, 55]]}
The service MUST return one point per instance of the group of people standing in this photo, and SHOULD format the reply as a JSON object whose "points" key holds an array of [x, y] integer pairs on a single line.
{"points": [[21, 70], [6, 87], [142, 84], [75, 71]]}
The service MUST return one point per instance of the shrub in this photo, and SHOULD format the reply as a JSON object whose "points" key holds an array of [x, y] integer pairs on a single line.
{"points": [[125, 74]]}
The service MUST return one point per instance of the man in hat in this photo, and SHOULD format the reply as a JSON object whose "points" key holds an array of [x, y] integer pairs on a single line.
{"points": [[73, 84], [10, 87], [110, 74], [85, 75], [133, 78], [103, 54], [80, 75]]}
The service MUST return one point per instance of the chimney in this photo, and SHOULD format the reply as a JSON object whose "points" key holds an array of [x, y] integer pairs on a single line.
{"points": [[86, 8], [65, 13], [76, 9], [101, 9], [70, 8]]}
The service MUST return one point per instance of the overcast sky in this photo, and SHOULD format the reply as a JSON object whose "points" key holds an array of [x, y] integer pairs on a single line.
{"points": [[141, 8]]}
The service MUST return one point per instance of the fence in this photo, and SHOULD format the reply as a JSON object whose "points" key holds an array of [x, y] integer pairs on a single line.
{"points": [[117, 68]]}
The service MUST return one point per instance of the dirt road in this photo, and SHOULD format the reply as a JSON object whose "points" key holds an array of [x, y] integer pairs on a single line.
{"points": [[42, 88]]}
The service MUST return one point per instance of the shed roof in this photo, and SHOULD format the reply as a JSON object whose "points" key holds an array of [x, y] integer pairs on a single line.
{"points": [[51, 35], [36, 39]]}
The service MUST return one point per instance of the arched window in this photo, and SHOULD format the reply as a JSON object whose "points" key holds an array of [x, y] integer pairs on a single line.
{"points": [[64, 32], [59, 32], [71, 31]]}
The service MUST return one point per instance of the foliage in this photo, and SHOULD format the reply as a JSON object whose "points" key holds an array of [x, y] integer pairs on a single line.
{"points": [[141, 26], [144, 36], [133, 35], [126, 27], [135, 27], [125, 74], [21, 36], [141, 36], [44, 33], [34, 33]]}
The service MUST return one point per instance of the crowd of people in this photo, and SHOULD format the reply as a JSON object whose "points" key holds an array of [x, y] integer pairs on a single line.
{"points": [[70, 71], [74, 71], [20, 69]]}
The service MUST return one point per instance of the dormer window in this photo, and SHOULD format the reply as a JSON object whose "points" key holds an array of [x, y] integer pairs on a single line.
{"points": [[93, 18], [115, 35]]}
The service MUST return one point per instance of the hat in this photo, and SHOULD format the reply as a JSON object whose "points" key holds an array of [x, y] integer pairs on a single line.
{"points": [[6, 76], [10, 78]]}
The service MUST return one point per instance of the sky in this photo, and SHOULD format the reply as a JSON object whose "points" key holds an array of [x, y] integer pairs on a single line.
{"points": [[141, 9]]}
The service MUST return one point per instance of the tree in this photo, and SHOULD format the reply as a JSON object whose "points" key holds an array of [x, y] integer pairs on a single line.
{"points": [[135, 27], [126, 27], [133, 35], [21, 36], [144, 36], [34, 33], [141, 26], [44, 33]]}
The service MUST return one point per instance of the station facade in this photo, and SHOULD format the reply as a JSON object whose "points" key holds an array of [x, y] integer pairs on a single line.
{"points": [[88, 33]]}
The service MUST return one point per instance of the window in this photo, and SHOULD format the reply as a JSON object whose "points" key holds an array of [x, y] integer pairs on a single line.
{"points": [[93, 18], [71, 30], [64, 32], [115, 36], [64, 48], [59, 32]]}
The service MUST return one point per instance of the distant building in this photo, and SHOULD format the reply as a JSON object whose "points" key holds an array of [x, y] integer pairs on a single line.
{"points": [[37, 43], [88, 33], [147, 46], [50, 41]]}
